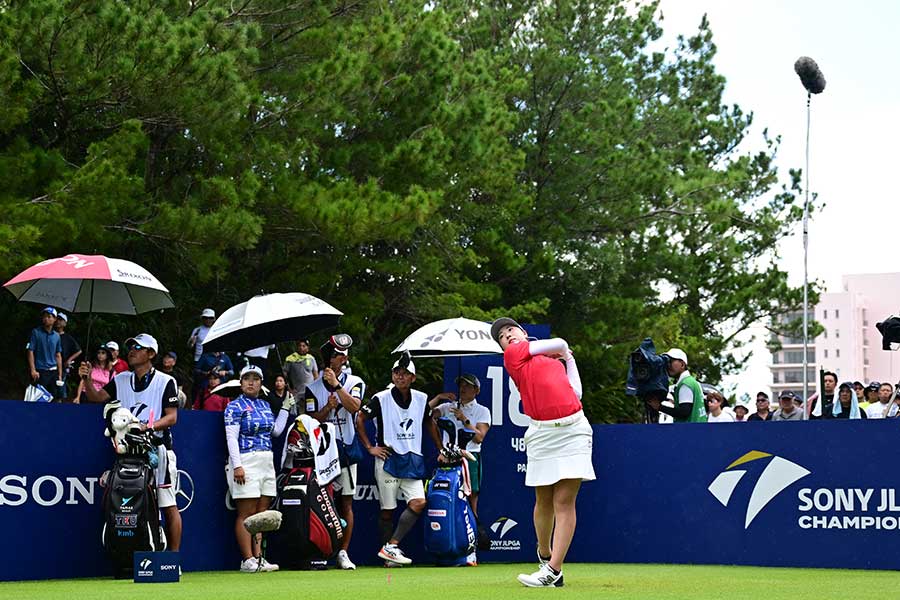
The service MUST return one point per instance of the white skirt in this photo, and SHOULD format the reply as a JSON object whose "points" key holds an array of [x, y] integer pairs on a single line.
{"points": [[559, 449]]}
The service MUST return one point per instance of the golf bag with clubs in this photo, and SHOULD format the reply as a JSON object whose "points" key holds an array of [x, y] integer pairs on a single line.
{"points": [[311, 530], [450, 525], [131, 521]]}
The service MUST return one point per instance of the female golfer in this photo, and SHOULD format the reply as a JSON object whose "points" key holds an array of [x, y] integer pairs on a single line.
{"points": [[250, 472], [558, 440]]}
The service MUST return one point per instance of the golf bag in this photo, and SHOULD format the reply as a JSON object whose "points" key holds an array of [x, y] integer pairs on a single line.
{"points": [[449, 520], [130, 513], [311, 529]]}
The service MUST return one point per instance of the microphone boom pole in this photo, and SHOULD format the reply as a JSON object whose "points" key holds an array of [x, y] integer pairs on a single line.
{"points": [[814, 82]]}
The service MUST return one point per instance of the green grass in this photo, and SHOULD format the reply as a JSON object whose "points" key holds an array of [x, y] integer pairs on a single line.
{"points": [[486, 582]]}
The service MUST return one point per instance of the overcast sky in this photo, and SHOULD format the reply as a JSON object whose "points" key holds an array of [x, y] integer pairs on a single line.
{"points": [[855, 122]]}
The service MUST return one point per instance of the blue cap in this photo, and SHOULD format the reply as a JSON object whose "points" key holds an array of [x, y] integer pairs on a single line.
{"points": [[50, 310]]}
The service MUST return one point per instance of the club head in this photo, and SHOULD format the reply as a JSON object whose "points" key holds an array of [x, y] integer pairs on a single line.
{"points": [[447, 425], [464, 436]]}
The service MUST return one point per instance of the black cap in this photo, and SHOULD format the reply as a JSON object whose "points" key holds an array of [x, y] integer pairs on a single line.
{"points": [[470, 379], [499, 324], [873, 385], [758, 394], [786, 394]]}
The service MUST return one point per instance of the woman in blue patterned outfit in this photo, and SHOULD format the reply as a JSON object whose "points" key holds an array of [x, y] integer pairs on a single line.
{"points": [[249, 428]]}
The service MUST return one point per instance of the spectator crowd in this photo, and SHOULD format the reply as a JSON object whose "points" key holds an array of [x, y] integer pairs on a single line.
{"points": [[695, 402]]}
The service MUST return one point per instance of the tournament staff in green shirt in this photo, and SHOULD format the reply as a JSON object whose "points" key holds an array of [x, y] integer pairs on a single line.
{"points": [[689, 407]]}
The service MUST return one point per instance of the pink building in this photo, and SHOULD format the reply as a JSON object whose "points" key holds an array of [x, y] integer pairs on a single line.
{"points": [[850, 345]]}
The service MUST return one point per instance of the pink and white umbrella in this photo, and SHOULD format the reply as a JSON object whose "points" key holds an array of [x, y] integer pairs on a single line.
{"points": [[91, 284]]}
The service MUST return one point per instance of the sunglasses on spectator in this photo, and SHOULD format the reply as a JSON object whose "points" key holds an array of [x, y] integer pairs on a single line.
{"points": [[131, 347], [762, 400]]}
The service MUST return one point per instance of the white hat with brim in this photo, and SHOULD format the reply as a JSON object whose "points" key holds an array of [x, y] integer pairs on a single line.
{"points": [[677, 354], [410, 367]]}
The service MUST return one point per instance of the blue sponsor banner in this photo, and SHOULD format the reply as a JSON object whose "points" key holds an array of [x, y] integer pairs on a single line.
{"points": [[156, 567]]}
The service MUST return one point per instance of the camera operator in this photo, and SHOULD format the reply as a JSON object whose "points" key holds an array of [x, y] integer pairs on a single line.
{"points": [[689, 401]]}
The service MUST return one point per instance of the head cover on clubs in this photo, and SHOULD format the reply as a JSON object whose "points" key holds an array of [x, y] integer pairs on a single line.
{"points": [[339, 343], [464, 436], [267, 520], [447, 425]]}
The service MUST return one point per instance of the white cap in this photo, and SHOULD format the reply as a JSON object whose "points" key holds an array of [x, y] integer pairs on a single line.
{"points": [[677, 354], [251, 369], [410, 367], [208, 313], [144, 339], [62, 316], [112, 346]]}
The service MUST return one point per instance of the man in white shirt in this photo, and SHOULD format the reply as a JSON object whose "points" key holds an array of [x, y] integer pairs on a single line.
{"points": [[466, 414], [877, 410]]}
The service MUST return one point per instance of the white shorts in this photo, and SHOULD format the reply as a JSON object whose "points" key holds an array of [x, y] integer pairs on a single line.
{"points": [[559, 449], [166, 477], [345, 483], [391, 489], [259, 476]]}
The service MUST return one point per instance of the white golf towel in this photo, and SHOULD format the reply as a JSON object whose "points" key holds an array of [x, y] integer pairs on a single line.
{"points": [[323, 442]]}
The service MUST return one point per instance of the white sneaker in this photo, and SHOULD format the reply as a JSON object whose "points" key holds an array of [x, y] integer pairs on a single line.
{"points": [[251, 565], [265, 566], [393, 553], [344, 562], [543, 577]]}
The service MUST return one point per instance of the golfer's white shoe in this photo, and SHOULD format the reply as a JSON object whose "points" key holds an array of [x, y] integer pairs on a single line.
{"points": [[543, 577], [251, 565], [393, 553], [344, 562]]}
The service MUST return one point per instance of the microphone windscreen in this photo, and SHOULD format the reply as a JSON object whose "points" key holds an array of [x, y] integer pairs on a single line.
{"points": [[810, 75], [267, 520]]}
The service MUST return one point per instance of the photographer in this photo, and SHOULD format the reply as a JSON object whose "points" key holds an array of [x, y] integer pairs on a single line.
{"points": [[689, 401]]}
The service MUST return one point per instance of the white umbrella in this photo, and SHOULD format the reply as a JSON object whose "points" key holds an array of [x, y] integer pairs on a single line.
{"points": [[450, 337], [232, 389], [269, 319]]}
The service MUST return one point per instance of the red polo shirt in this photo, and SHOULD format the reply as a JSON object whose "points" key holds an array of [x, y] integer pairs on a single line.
{"points": [[542, 382]]}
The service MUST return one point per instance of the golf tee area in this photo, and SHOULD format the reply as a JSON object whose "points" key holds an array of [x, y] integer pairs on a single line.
{"points": [[494, 581]]}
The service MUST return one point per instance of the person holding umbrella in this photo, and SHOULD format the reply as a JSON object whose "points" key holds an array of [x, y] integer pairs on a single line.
{"points": [[467, 414], [250, 471], [335, 397], [152, 397], [558, 441]]}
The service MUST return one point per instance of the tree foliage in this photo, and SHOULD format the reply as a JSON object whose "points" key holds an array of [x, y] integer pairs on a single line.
{"points": [[407, 161]]}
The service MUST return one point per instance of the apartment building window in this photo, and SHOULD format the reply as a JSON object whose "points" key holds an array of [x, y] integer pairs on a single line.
{"points": [[826, 353], [825, 314], [837, 353], [837, 314]]}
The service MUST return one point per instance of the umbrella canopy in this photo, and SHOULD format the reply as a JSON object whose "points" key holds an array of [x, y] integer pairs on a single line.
{"points": [[232, 389], [450, 337], [91, 284], [269, 319]]}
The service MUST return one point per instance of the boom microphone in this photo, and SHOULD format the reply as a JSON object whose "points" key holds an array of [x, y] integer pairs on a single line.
{"points": [[267, 520], [810, 75]]}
